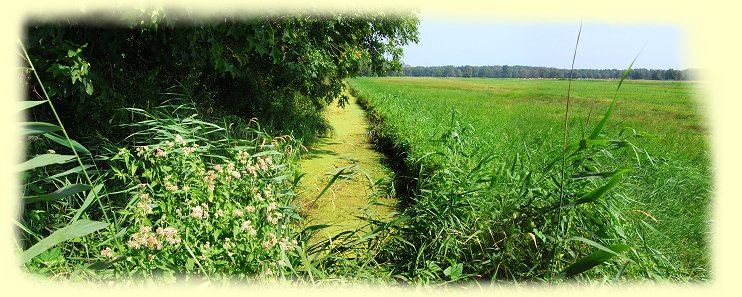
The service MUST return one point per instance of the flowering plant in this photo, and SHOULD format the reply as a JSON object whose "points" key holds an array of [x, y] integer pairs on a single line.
{"points": [[199, 206]]}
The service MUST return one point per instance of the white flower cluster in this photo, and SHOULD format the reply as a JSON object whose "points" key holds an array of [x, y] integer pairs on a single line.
{"points": [[144, 204], [145, 238], [200, 211]]}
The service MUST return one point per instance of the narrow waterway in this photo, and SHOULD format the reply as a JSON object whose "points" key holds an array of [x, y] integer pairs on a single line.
{"points": [[361, 190]]}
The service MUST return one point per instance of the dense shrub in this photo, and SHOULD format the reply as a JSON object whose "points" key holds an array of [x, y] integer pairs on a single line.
{"points": [[281, 68]]}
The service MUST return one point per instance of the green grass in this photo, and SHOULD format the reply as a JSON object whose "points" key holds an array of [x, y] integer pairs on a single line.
{"points": [[523, 120]]}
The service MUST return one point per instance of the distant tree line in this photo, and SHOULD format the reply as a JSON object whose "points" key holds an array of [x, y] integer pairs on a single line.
{"points": [[505, 71]]}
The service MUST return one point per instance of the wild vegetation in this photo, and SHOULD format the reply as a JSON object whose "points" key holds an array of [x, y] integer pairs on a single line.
{"points": [[171, 174], [184, 165], [281, 69], [490, 200]]}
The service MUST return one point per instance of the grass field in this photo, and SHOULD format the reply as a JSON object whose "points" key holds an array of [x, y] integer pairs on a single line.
{"points": [[522, 121]]}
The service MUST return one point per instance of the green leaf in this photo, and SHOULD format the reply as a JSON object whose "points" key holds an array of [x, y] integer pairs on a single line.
{"points": [[34, 128], [88, 87], [65, 191], [50, 257], [454, 271], [105, 264], [599, 192], [585, 175], [599, 127], [74, 230], [78, 147], [23, 105], [594, 259], [314, 228], [43, 160], [332, 180], [190, 264], [68, 172]]}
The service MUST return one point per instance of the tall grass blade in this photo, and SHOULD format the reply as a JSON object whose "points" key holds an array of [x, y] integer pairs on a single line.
{"points": [[332, 180], [599, 127], [70, 144], [70, 171], [59, 121], [88, 200], [23, 105], [105, 264], [600, 192], [35, 128], [586, 175], [76, 229], [594, 259], [562, 177], [43, 160], [65, 191]]}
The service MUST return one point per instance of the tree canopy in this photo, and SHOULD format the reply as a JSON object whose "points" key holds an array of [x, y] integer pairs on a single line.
{"points": [[266, 66]]}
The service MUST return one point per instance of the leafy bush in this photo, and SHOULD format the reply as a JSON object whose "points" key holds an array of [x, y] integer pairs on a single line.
{"points": [[281, 68]]}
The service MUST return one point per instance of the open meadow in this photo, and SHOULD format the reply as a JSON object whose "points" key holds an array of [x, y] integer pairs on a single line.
{"points": [[507, 132]]}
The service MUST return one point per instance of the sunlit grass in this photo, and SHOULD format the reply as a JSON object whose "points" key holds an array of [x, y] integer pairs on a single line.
{"points": [[513, 118]]}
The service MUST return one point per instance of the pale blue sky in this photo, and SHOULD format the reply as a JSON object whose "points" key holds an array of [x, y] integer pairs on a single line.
{"points": [[602, 45]]}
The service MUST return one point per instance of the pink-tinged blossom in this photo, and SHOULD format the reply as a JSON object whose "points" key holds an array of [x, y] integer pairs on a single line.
{"points": [[144, 239], [286, 245], [246, 224], [179, 139], [144, 203], [170, 234], [107, 252], [262, 165], [271, 242], [144, 207], [273, 220], [142, 150], [252, 170], [188, 150], [159, 153], [198, 212], [272, 206], [250, 208], [237, 213], [171, 187]]}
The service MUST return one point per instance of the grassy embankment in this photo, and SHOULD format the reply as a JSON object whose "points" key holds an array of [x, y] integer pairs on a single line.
{"points": [[515, 128]]}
